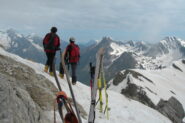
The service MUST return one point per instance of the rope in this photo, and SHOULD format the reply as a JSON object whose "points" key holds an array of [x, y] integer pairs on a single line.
{"points": [[67, 104]]}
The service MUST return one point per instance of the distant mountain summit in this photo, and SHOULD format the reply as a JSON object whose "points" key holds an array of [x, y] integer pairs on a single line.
{"points": [[131, 54], [29, 47]]}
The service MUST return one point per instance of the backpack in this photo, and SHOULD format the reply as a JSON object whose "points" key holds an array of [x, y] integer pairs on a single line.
{"points": [[74, 53], [49, 42]]}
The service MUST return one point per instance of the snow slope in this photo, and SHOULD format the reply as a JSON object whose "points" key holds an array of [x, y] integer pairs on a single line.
{"points": [[165, 83], [121, 108]]}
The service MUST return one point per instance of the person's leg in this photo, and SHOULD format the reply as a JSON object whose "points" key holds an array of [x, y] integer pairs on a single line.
{"points": [[61, 73], [73, 68], [52, 56], [47, 63]]}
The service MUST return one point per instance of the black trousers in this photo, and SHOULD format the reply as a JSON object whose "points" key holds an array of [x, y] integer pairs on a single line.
{"points": [[73, 69], [49, 62]]}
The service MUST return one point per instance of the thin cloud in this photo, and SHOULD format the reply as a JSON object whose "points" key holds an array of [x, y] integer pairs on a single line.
{"points": [[149, 18]]}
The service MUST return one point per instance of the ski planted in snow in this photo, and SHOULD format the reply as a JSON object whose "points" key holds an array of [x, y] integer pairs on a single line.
{"points": [[99, 57], [92, 73]]}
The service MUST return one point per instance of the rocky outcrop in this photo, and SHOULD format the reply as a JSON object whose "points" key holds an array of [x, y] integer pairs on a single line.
{"points": [[176, 67], [172, 109], [16, 104], [137, 93], [25, 95], [183, 61], [121, 76], [132, 90]]}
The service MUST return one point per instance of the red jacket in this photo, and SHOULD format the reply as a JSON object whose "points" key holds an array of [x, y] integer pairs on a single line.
{"points": [[72, 53], [51, 42]]}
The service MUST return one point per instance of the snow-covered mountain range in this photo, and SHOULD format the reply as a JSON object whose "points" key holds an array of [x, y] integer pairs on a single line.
{"points": [[20, 81], [28, 47], [130, 54], [119, 55]]}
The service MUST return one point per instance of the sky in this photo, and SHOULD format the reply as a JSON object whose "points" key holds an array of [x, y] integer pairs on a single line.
{"points": [[146, 20]]}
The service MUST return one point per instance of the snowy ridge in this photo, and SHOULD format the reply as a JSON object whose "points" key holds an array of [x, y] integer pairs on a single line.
{"points": [[165, 83], [121, 108], [9, 39], [35, 45], [151, 56], [117, 49]]}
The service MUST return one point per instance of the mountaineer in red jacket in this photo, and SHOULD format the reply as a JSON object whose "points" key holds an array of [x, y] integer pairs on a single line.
{"points": [[51, 43], [72, 57]]}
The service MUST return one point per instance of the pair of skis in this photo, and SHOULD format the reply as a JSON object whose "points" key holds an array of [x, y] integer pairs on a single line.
{"points": [[69, 84], [99, 74]]}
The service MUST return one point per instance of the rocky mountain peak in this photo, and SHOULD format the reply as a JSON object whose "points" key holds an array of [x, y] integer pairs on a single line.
{"points": [[170, 42], [106, 40], [13, 34], [131, 43]]}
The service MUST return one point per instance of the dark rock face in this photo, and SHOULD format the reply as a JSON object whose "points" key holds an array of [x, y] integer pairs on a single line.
{"points": [[125, 61], [137, 93], [172, 109], [183, 61], [176, 67], [119, 78]]}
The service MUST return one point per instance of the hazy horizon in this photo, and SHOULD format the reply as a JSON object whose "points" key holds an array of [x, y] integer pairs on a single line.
{"points": [[146, 20]]}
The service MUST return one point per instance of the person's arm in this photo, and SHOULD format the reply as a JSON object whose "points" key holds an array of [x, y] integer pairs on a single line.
{"points": [[57, 42], [44, 40], [67, 53]]}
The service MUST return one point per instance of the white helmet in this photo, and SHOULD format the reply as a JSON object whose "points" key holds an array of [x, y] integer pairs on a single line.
{"points": [[72, 39]]}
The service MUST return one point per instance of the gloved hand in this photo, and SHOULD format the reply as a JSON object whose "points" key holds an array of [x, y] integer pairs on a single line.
{"points": [[58, 48]]}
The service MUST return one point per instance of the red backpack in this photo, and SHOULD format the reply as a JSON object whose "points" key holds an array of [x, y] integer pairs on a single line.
{"points": [[74, 53]]}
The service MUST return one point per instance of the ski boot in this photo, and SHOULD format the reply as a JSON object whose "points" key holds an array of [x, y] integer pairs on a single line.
{"points": [[74, 80], [51, 73], [46, 68], [61, 75]]}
